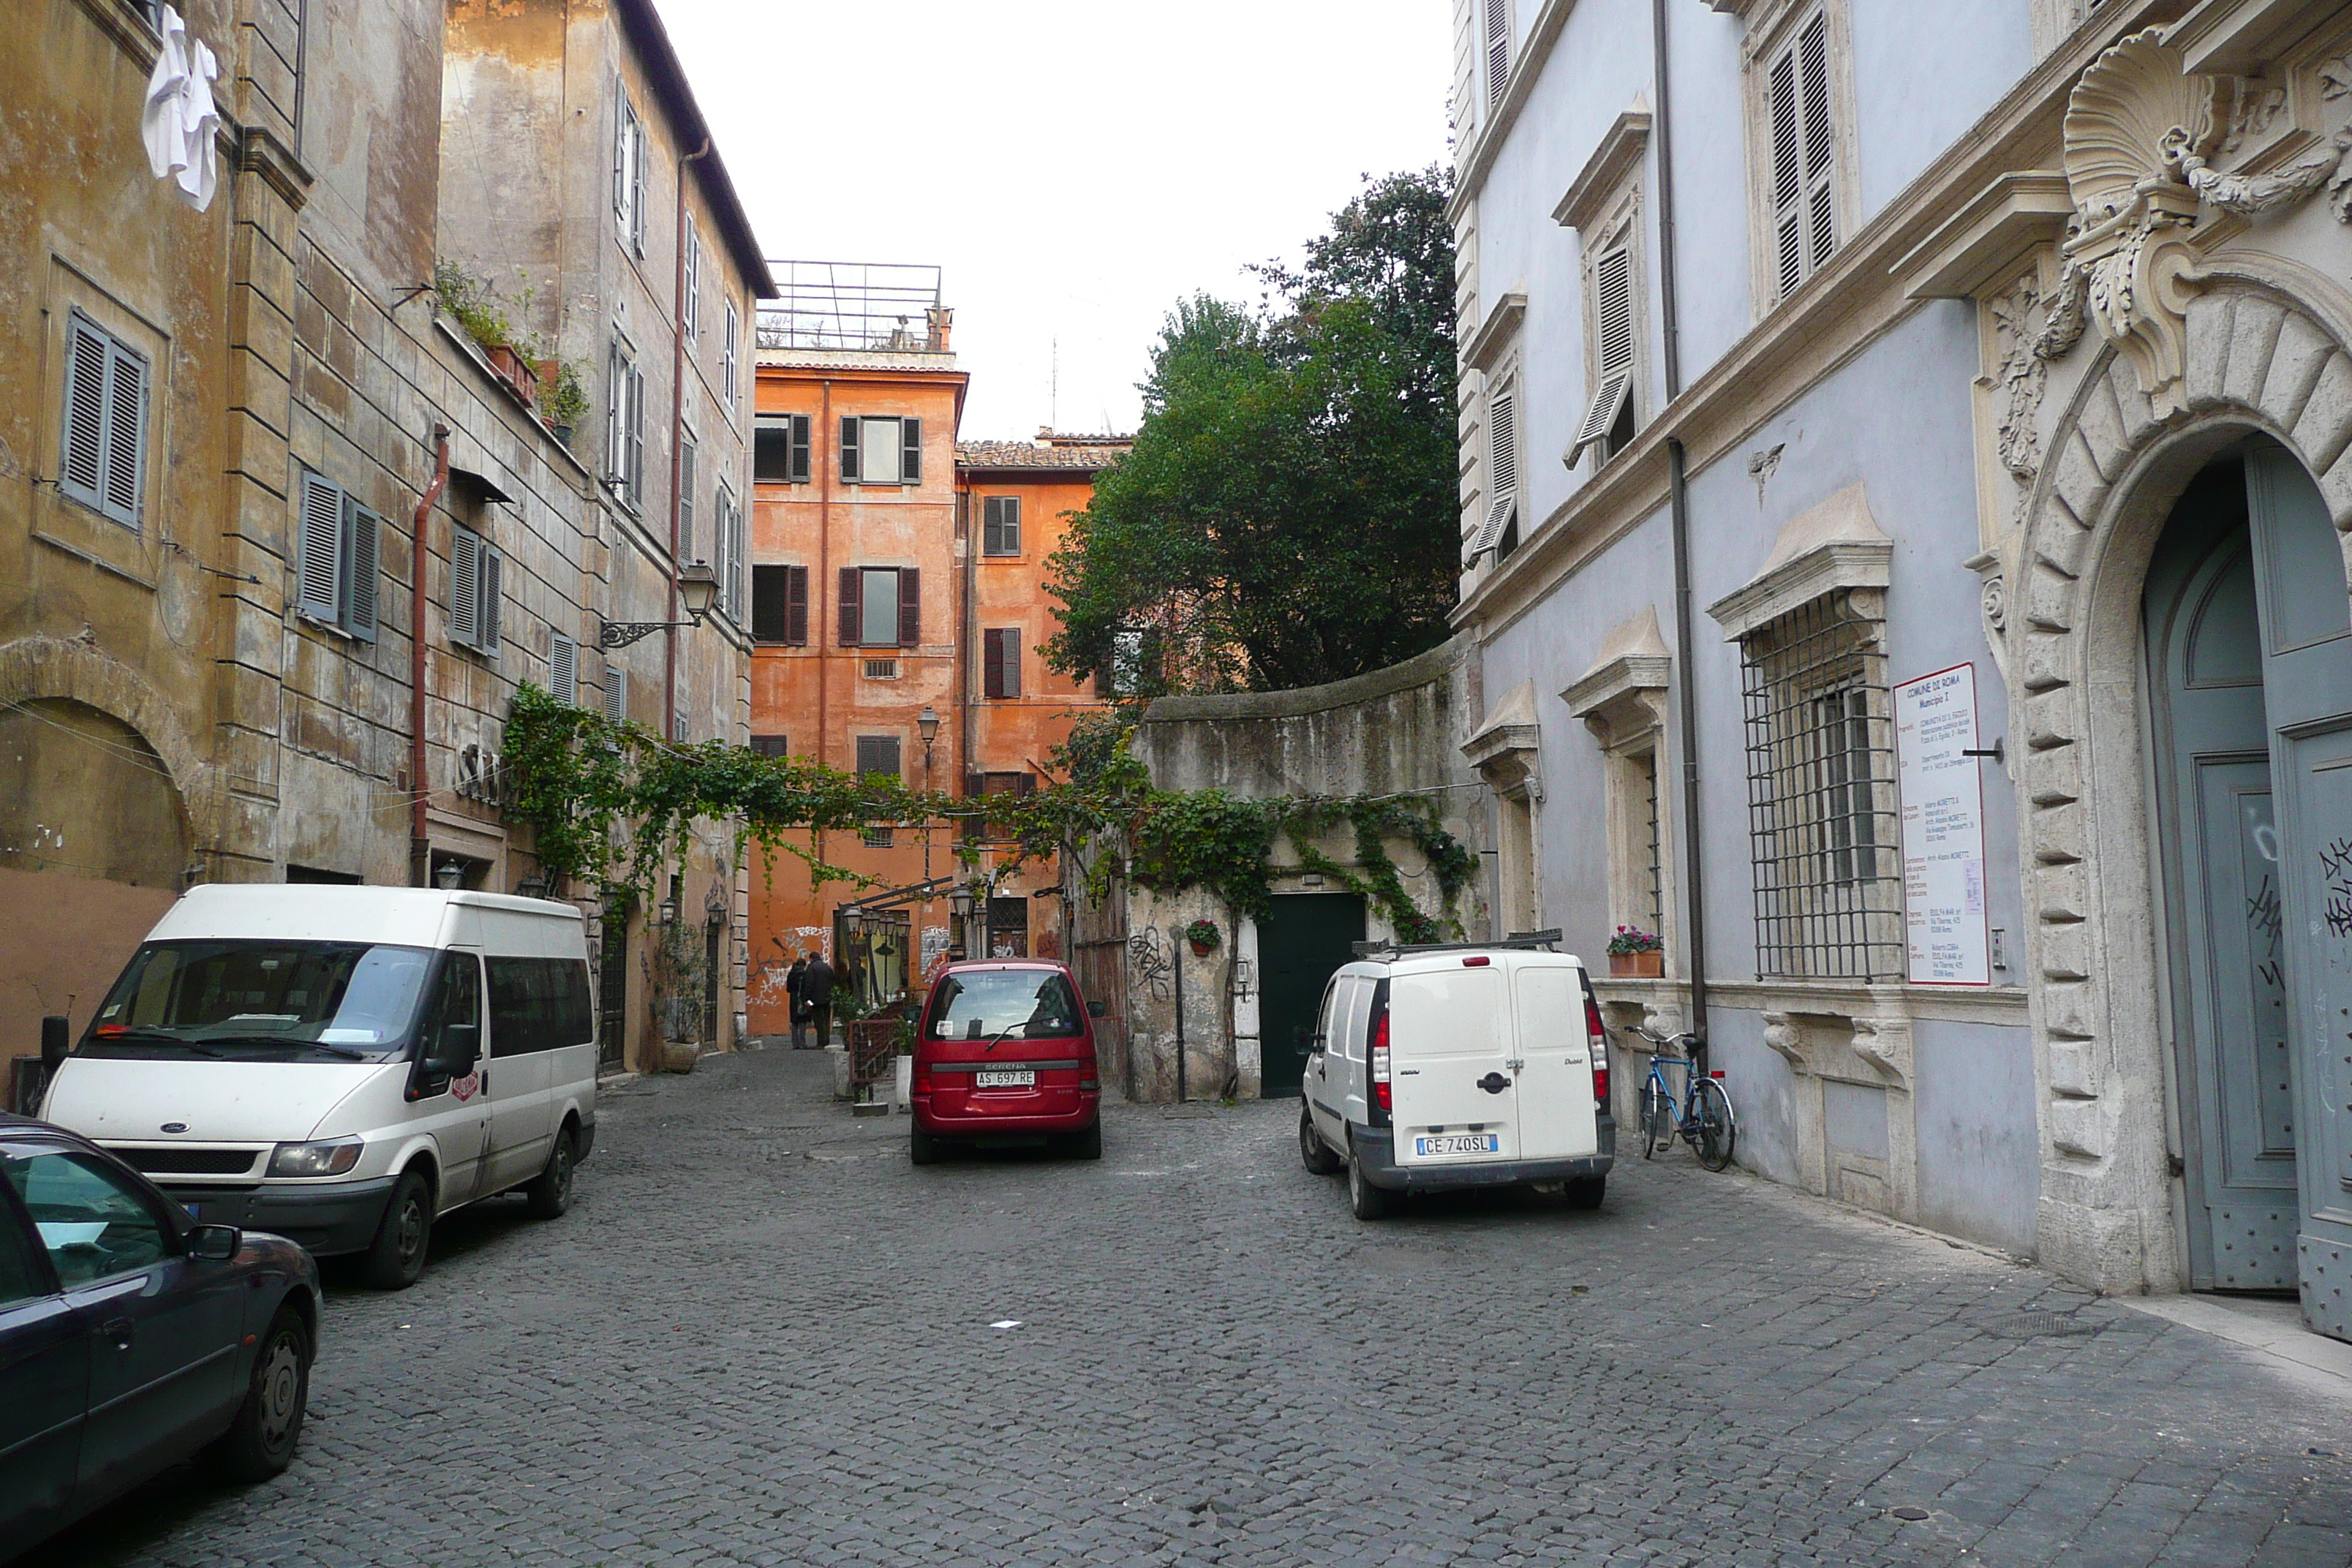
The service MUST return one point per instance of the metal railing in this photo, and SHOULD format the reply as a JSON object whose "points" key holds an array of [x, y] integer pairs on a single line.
{"points": [[874, 307]]}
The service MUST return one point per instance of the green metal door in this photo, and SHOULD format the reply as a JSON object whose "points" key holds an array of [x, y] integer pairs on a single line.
{"points": [[1307, 937]]}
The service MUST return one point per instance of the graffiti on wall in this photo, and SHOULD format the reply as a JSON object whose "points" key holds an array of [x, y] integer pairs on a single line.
{"points": [[1147, 962]]}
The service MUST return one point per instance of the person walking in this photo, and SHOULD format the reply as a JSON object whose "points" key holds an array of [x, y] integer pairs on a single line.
{"points": [[816, 991], [793, 1006]]}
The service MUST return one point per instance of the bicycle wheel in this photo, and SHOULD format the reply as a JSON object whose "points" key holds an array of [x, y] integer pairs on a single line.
{"points": [[1656, 1121], [1715, 1131]]}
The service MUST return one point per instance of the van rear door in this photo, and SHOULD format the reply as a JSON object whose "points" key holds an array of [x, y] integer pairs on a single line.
{"points": [[1554, 1063], [1455, 1092]]}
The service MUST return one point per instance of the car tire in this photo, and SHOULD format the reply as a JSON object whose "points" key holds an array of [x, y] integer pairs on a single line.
{"points": [[396, 1257], [1585, 1191], [1319, 1158], [1087, 1145], [549, 1193], [923, 1148], [1368, 1201], [260, 1442]]}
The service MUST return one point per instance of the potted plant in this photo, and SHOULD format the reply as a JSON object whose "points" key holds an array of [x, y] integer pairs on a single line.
{"points": [[1636, 953], [1204, 936]]}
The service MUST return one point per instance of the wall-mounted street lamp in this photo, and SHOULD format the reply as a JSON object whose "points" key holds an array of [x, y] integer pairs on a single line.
{"points": [[927, 724], [698, 591], [449, 874]]}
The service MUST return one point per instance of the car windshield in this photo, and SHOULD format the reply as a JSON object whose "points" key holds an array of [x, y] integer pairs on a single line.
{"points": [[1011, 1004], [298, 1001]]}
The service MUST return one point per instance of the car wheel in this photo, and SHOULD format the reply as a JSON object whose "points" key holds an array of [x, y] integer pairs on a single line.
{"points": [[260, 1442], [1368, 1201], [397, 1256], [549, 1193], [1585, 1191], [1087, 1145], [922, 1147], [1317, 1156]]}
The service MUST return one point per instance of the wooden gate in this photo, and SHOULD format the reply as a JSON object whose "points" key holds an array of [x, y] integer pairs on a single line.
{"points": [[1098, 958]]}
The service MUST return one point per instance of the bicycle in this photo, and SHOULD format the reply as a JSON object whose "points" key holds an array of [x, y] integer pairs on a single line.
{"points": [[1704, 1119]]}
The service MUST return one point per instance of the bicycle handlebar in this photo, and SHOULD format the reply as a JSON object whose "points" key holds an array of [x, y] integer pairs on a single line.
{"points": [[1667, 1041]]}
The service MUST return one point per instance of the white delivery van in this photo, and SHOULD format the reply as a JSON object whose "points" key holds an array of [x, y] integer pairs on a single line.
{"points": [[341, 1065], [1447, 1067]]}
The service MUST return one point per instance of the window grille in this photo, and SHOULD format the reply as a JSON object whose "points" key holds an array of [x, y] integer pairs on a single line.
{"points": [[880, 837], [1804, 182], [1654, 882], [1823, 825], [881, 669]]}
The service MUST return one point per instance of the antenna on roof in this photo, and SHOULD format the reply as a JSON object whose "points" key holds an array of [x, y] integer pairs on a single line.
{"points": [[1054, 397]]}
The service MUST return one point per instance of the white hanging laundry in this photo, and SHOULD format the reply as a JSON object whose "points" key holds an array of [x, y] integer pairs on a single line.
{"points": [[180, 119]]}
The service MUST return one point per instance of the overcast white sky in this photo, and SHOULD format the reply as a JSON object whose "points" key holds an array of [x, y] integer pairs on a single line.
{"points": [[1074, 165]]}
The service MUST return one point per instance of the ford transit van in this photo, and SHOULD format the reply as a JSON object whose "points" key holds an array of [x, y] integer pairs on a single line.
{"points": [[1441, 1067], [342, 1065]]}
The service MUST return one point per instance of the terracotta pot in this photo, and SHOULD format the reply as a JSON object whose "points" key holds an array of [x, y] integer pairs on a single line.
{"points": [[514, 372], [1651, 965], [1202, 949]]}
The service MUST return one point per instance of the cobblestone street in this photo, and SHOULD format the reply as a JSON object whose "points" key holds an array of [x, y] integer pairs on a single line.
{"points": [[762, 1336]]}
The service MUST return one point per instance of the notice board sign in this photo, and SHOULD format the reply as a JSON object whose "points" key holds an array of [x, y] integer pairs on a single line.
{"points": [[1945, 923]]}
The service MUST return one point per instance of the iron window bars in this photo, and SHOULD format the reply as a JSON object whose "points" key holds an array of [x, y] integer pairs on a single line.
{"points": [[1823, 830]]}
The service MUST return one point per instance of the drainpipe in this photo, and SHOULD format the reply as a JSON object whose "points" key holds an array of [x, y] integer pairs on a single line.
{"points": [[676, 446], [420, 833], [820, 635], [1176, 972], [1678, 500]]}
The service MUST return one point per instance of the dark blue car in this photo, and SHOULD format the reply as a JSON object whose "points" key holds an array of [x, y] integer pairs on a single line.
{"points": [[132, 1337]]}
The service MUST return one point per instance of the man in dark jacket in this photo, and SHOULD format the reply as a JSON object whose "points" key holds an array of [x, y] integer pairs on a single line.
{"points": [[817, 992], [794, 1006]]}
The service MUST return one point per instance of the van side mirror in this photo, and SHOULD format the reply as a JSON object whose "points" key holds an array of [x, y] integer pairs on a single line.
{"points": [[457, 1051], [57, 1039], [1096, 1010]]}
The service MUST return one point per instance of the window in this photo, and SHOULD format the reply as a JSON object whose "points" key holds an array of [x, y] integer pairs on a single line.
{"points": [[563, 669], [1499, 50], [93, 1222], [983, 786], [629, 177], [1609, 419], [730, 354], [686, 456], [103, 462], [690, 315], [769, 746], [881, 669], [1648, 865], [881, 607], [878, 838], [730, 554], [1008, 931], [1014, 1004], [476, 591], [780, 449], [1001, 666], [538, 1005], [336, 572], [1001, 526], [616, 693], [881, 451], [1821, 815], [21, 1279], [780, 608], [1804, 155], [877, 755], [625, 427]]}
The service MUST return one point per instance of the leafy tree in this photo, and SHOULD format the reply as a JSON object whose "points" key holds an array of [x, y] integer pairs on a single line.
{"points": [[1288, 515]]}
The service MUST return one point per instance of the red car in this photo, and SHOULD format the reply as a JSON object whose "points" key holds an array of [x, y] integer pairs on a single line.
{"points": [[1006, 1055]]}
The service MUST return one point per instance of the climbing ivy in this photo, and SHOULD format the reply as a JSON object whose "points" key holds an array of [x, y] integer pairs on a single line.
{"points": [[609, 801]]}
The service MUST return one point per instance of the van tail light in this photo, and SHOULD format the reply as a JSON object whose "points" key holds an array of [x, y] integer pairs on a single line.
{"points": [[1383, 1093], [1598, 1038]]}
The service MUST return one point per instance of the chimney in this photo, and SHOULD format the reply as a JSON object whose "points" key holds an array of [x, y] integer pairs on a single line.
{"points": [[941, 321]]}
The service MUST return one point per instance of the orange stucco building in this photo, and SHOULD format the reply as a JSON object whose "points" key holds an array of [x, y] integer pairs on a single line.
{"points": [[897, 604]]}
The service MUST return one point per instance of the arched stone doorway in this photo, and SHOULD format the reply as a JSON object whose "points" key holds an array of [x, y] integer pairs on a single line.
{"points": [[2263, 360]]}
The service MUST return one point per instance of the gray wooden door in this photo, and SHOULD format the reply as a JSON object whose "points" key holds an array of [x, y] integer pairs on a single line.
{"points": [[2306, 642], [2220, 864]]}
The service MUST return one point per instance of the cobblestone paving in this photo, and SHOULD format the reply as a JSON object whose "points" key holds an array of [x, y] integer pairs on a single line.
{"points": [[763, 1337]]}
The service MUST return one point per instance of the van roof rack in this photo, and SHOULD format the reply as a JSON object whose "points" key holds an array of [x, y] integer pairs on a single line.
{"points": [[1533, 941]]}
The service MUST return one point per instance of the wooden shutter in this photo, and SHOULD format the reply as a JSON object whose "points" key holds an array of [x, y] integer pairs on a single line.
{"points": [[465, 587], [796, 629], [563, 669], [849, 426], [81, 470], [637, 187], [878, 754], [800, 449], [771, 604], [910, 607], [992, 662], [910, 451], [769, 746], [1009, 659], [1805, 182], [360, 549], [693, 260], [683, 546], [1613, 347], [622, 124], [318, 563], [617, 400], [616, 693], [1813, 77], [730, 533], [1503, 445], [636, 479], [126, 441], [1498, 49], [852, 605], [493, 596], [729, 356]]}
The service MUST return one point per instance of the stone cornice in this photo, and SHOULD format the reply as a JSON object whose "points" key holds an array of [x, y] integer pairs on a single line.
{"points": [[1826, 323], [1824, 568], [1527, 64], [1985, 240], [1628, 675], [1502, 324], [1620, 150], [261, 153], [2241, 38]]}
